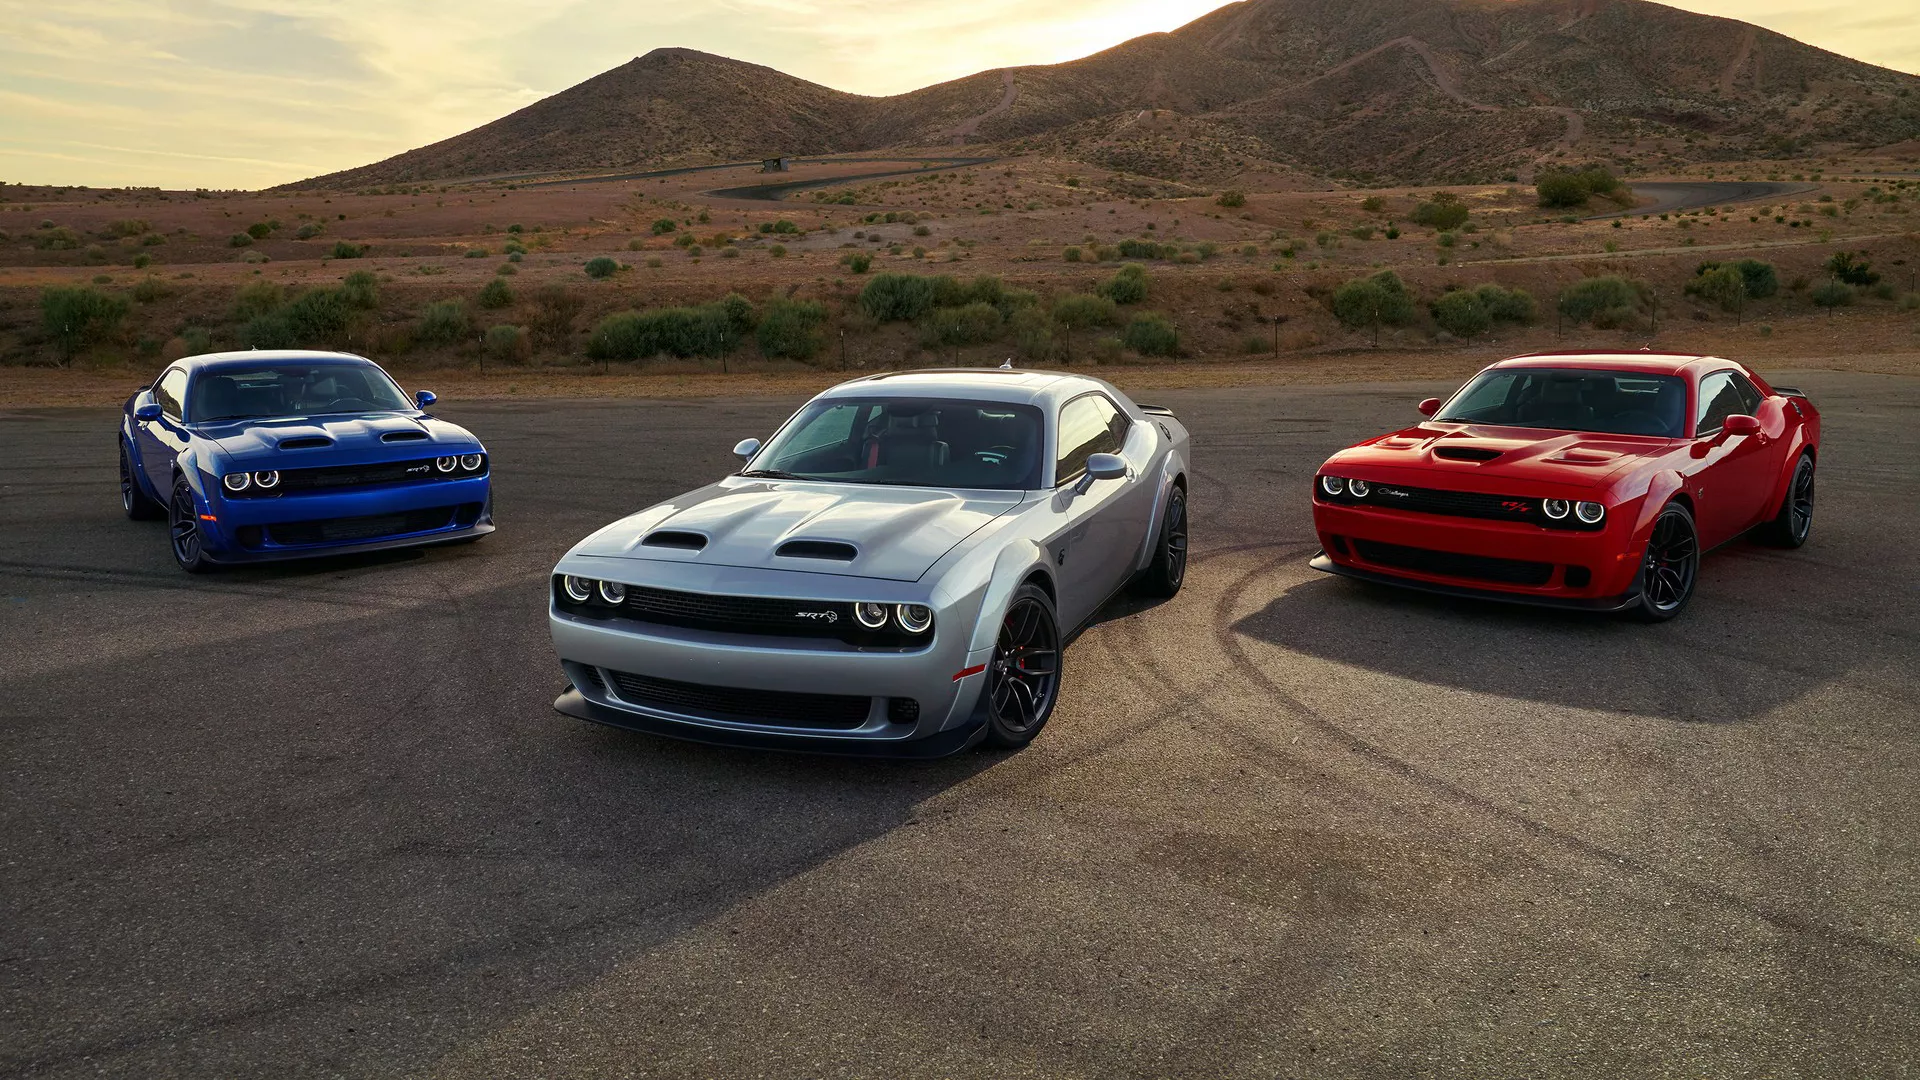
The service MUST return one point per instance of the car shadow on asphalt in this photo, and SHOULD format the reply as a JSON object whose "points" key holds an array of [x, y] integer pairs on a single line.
{"points": [[1711, 665]]}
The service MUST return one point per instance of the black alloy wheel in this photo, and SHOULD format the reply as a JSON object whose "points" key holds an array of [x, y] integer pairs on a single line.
{"points": [[132, 499], [1023, 678], [1168, 571], [1671, 566], [183, 518], [1791, 527]]}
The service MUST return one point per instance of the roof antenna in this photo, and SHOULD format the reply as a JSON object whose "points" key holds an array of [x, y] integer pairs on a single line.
{"points": [[1008, 366], [1648, 347]]}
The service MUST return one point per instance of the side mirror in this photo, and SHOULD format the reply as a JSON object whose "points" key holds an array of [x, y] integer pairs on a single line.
{"points": [[425, 398], [1102, 467], [144, 407], [1740, 424], [746, 448], [1430, 406]]}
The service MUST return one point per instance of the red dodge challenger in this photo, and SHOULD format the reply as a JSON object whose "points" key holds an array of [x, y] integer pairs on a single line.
{"points": [[1591, 480]]}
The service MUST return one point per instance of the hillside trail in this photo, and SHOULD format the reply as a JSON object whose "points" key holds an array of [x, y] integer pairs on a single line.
{"points": [[966, 129], [1728, 76]]}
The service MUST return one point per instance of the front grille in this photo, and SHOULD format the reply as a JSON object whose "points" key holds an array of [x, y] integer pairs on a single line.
{"points": [[748, 615], [379, 526], [1450, 564], [780, 708], [1467, 504], [336, 477]]}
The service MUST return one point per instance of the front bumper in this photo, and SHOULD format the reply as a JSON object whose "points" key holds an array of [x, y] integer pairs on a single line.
{"points": [[243, 530], [1582, 570], [595, 653]]}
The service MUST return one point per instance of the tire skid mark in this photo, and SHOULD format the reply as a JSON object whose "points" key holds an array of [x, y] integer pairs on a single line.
{"points": [[1233, 649]]}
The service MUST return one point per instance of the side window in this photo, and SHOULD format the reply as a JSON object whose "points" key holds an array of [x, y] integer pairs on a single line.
{"points": [[1088, 425], [170, 391], [1719, 399], [1749, 393]]}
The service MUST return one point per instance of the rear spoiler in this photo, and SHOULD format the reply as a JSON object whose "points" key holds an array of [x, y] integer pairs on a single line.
{"points": [[1162, 410], [1790, 391]]}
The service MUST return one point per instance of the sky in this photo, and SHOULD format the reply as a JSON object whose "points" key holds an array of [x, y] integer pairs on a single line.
{"points": [[251, 93]]}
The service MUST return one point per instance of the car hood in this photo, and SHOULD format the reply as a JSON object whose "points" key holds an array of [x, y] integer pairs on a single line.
{"points": [[379, 435], [893, 533], [1477, 452]]}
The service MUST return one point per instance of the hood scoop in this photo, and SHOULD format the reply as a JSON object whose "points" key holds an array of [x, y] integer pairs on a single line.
{"points": [[1578, 456], [675, 538], [817, 549], [305, 442], [1466, 453], [404, 436]]}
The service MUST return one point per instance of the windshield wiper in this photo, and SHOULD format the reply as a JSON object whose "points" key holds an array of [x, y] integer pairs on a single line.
{"points": [[774, 474]]}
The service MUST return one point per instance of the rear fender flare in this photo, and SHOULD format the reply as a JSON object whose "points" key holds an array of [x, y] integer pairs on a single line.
{"points": [[1170, 470]]}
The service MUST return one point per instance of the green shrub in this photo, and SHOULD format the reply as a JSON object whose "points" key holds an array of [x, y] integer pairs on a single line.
{"points": [[308, 231], [859, 264], [1573, 187], [778, 251], [739, 311], [1721, 285], [1032, 333], [1072, 254], [601, 267], [478, 253], [1232, 200], [152, 239], [1445, 211], [513, 247], [1128, 286], [75, 317], [1151, 334], [679, 331], [442, 322], [239, 240], [257, 298], [127, 227], [1852, 269], [259, 230], [972, 324], [1461, 313], [362, 289], [897, 297], [1362, 232], [783, 227], [790, 329], [508, 344], [663, 226], [1606, 302], [1831, 294], [1082, 311], [56, 238], [1506, 305], [315, 317], [142, 261], [343, 249], [495, 295], [1373, 301], [1373, 204], [149, 289]]}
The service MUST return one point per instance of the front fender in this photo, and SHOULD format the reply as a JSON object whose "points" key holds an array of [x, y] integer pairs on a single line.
{"points": [[1011, 565]]}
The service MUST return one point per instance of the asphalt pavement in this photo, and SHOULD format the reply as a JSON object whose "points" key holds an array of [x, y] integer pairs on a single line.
{"points": [[321, 820], [1669, 196]]}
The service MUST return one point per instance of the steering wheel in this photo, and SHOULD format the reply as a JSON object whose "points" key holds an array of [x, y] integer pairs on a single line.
{"points": [[994, 455], [349, 404], [1638, 422]]}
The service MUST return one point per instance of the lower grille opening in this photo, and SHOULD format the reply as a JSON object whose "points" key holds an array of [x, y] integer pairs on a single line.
{"points": [[250, 536], [592, 675], [1339, 545], [466, 514], [833, 711], [1579, 577], [1451, 564], [376, 527], [902, 710]]}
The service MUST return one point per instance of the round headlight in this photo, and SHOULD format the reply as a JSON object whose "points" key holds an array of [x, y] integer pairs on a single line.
{"points": [[470, 462], [446, 464], [1358, 488], [913, 618], [579, 589], [1590, 512], [1555, 509], [613, 592], [267, 479], [871, 616], [1332, 485], [237, 481]]}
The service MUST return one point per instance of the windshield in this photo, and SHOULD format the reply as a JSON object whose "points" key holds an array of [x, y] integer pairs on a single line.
{"points": [[1613, 402], [298, 389], [921, 442]]}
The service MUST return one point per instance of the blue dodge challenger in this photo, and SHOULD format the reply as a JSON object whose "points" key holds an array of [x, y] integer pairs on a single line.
{"points": [[256, 456]]}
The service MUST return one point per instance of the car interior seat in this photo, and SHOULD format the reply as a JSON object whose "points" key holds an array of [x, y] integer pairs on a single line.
{"points": [[908, 441]]}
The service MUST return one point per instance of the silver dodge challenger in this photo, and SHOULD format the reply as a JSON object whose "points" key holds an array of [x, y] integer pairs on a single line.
{"points": [[896, 572]]}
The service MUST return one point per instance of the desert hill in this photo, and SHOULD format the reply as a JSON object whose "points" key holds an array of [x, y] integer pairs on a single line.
{"points": [[1408, 90]]}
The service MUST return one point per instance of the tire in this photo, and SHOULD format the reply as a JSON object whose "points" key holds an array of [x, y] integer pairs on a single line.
{"points": [[183, 531], [1794, 523], [133, 495], [1670, 568], [1023, 678], [1168, 571]]}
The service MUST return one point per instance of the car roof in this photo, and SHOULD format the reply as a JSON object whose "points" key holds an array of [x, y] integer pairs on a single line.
{"points": [[258, 357], [1651, 363], [1010, 385]]}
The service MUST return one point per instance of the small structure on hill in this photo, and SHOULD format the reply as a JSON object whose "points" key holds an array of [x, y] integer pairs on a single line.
{"points": [[777, 164]]}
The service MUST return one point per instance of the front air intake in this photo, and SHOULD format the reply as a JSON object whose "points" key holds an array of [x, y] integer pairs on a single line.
{"points": [[305, 442], [670, 538], [817, 549], [1466, 453], [403, 436]]}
